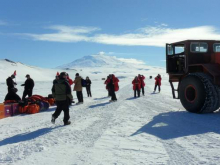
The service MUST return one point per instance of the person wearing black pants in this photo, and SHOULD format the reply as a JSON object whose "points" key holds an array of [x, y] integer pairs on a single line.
{"points": [[142, 85], [79, 95], [137, 92], [88, 87], [155, 88], [78, 88], [112, 92], [136, 86], [62, 93], [157, 82], [62, 106], [28, 87], [113, 86]]}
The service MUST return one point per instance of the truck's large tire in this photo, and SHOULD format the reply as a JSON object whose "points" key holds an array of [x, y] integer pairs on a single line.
{"points": [[198, 94]]}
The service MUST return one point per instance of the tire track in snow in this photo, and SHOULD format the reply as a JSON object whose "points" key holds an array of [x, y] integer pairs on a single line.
{"points": [[178, 155], [87, 137]]}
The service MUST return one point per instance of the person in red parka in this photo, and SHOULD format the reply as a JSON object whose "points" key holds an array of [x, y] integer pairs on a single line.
{"points": [[106, 83], [141, 78], [157, 82], [136, 86], [113, 86]]}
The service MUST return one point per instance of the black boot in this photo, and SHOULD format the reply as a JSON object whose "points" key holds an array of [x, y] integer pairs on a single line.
{"points": [[53, 119], [67, 123]]}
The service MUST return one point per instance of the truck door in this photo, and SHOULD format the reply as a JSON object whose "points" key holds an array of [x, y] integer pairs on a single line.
{"points": [[176, 59]]}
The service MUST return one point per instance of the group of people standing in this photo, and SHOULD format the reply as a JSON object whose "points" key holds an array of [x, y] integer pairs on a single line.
{"points": [[12, 90], [62, 92], [139, 84]]}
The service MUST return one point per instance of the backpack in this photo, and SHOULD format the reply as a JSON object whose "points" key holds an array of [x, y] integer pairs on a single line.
{"points": [[83, 82]]}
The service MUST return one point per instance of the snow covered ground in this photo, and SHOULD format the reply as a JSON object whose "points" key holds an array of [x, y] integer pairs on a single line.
{"points": [[152, 129]]}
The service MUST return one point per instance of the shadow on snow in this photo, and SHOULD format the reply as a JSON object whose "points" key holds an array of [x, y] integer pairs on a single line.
{"points": [[27, 136], [102, 98], [179, 124], [99, 105], [132, 98]]}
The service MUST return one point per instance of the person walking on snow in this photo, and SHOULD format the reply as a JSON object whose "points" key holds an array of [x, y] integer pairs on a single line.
{"points": [[106, 83], [113, 86], [157, 82], [10, 82], [141, 78], [136, 86], [61, 91], [28, 87], [78, 88], [88, 86]]}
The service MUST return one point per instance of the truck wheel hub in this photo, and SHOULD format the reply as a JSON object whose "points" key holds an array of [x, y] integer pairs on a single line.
{"points": [[190, 93]]}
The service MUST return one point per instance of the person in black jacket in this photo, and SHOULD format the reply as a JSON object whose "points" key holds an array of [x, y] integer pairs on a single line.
{"points": [[88, 87], [28, 87], [10, 82], [12, 95]]}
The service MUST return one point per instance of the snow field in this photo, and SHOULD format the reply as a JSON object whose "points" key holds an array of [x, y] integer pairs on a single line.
{"points": [[154, 129]]}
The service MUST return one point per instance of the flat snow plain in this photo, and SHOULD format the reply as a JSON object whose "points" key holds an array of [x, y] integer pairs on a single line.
{"points": [[152, 129]]}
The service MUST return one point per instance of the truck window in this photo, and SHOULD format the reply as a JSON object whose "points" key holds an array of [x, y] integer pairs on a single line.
{"points": [[170, 50], [199, 47], [216, 47], [179, 49]]}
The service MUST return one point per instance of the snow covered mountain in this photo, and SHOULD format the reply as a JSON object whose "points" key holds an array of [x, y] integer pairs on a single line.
{"points": [[94, 66], [7, 68], [101, 60]]}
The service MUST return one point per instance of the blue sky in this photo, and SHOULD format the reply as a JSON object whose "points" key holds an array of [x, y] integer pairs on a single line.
{"points": [[49, 33]]}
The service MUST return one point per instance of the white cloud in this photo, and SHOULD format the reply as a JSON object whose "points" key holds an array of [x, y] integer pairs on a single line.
{"points": [[65, 34], [159, 36], [147, 36], [163, 24], [73, 30], [101, 53], [3, 23]]}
